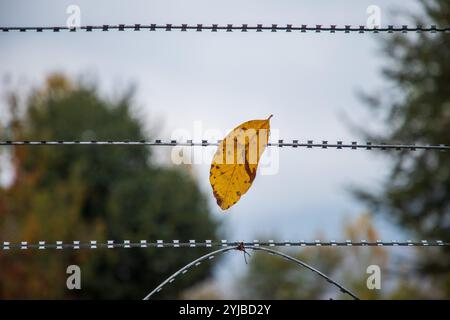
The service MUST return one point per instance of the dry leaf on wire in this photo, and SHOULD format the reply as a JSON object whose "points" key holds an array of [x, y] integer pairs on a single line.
{"points": [[234, 165]]}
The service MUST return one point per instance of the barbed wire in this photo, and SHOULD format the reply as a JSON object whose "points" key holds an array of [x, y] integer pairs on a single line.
{"points": [[232, 27], [205, 143], [185, 269], [242, 247], [127, 244]]}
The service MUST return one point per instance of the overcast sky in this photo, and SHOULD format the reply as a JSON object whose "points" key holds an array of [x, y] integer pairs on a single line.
{"points": [[308, 81]]}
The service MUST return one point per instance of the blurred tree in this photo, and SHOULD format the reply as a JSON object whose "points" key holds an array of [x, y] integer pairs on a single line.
{"points": [[416, 109], [87, 192]]}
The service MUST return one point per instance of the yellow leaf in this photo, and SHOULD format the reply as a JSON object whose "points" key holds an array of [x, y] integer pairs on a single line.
{"points": [[235, 162]]}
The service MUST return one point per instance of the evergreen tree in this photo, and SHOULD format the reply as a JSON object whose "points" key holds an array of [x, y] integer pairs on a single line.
{"points": [[416, 109], [93, 192]]}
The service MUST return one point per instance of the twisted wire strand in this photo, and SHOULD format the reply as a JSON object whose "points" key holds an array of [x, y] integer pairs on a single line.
{"points": [[127, 244], [205, 143], [211, 255], [318, 28]]}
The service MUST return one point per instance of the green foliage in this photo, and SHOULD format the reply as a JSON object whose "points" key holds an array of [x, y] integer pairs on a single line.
{"points": [[417, 110], [87, 192]]}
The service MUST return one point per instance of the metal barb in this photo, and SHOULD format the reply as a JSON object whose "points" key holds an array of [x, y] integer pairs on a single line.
{"points": [[230, 28], [205, 143], [241, 247], [144, 244]]}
